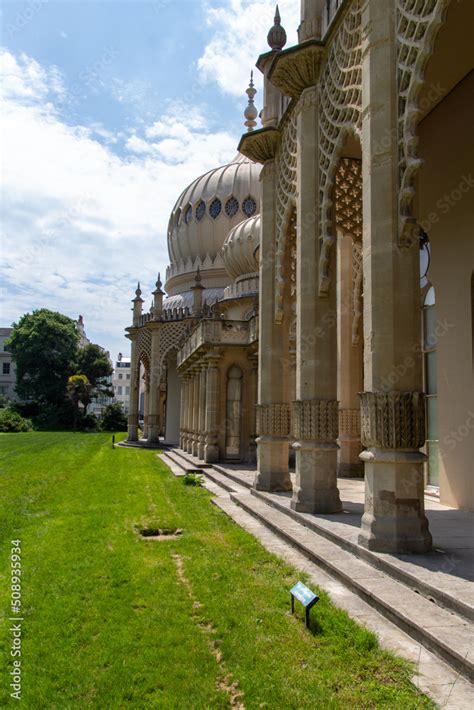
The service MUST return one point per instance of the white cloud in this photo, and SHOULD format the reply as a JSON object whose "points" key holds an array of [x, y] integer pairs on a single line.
{"points": [[81, 224], [240, 30]]}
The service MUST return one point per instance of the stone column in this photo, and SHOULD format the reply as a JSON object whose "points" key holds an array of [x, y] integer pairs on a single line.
{"points": [[211, 448], [392, 405], [202, 411], [185, 411], [196, 402], [273, 410], [134, 386], [146, 403], [181, 410], [253, 400], [189, 445], [316, 408], [154, 396], [349, 362]]}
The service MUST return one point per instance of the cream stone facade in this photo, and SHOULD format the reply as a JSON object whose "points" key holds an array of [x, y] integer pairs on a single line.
{"points": [[320, 305]]}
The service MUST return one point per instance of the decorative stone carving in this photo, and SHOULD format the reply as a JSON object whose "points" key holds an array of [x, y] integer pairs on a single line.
{"points": [[144, 346], [340, 102], [285, 266], [393, 420], [295, 69], [260, 145], [357, 285], [418, 22], [316, 420], [273, 419], [349, 423], [348, 197], [286, 162], [171, 336]]}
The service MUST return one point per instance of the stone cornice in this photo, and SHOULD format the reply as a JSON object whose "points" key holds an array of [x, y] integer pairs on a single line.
{"points": [[260, 145], [295, 69]]}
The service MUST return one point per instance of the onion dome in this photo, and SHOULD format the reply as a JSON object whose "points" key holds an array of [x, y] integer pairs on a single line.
{"points": [[201, 219], [240, 249], [276, 37]]}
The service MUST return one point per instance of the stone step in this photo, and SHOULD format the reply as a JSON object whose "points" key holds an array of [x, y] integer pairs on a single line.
{"points": [[225, 482], [443, 632], [239, 480], [385, 563], [184, 464], [188, 459], [176, 469]]}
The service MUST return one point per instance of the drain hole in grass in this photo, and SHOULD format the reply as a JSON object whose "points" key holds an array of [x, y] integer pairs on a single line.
{"points": [[160, 533]]}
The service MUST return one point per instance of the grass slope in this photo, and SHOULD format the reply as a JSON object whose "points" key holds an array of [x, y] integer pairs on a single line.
{"points": [[202, 621]]}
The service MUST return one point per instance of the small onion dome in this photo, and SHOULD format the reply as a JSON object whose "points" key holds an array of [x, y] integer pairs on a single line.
{"points": [[201, 220], [240, 248], [276, 37]]}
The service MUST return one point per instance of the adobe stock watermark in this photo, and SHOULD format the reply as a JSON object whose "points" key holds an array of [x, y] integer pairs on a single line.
{"points": [[24, 17], [15, 619]]}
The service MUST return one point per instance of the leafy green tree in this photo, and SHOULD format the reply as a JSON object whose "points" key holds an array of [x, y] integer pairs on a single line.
{"points": [[79, 390], [44, 346], [93, 362], [114, 418]]}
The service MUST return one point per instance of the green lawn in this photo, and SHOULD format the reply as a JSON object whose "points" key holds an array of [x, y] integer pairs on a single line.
{"points": [[201, 621]]}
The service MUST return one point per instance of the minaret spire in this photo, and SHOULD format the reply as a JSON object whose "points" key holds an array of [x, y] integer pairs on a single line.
{"points": [[250, 112], [276, 37]]}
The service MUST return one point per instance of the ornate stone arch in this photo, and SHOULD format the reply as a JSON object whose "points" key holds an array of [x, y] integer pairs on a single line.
{"points": [[171, 336], [418, 22], [340, 105], [285, 266], [285, 201], [144, 347]]}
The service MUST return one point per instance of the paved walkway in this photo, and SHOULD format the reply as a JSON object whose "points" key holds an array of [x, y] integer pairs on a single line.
{"points": [[449, 566]]}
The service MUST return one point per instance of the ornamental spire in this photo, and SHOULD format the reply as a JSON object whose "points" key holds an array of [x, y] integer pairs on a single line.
{"points": [[276, 37], [250, 112]]}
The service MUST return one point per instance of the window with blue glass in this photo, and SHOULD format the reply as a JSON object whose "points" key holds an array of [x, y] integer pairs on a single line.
{"points": [[231, 206], [200, 210], [249, 206], [188, 215], [215, 208]]}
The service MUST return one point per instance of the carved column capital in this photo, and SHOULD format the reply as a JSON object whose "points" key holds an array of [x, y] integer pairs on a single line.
{"points": [[316, 420], [274, 419], [393, 420]]}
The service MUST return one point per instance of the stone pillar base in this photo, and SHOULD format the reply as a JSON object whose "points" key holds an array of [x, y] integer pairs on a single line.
{"points": [[195, 447], [316, 488], [132, 434], [394, 516], [272, 464], [201, 448], [211, 453]]}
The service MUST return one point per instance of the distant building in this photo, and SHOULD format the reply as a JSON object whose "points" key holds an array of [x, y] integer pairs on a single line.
{"points": [[98, 403], [7, 366], [121, 381]]}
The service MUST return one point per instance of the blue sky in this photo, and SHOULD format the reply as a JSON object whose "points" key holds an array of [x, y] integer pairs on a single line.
{"points": [[109, 109]]}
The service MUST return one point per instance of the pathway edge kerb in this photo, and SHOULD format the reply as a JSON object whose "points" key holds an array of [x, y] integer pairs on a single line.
{"points": [[410, 626], [426, 590]]}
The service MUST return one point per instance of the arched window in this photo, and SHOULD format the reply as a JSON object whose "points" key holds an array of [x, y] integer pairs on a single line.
{"points": [[188, 215], [200, 210], [233, 412], [249, 207], [431, 386], [215, 208], [231, 206]]}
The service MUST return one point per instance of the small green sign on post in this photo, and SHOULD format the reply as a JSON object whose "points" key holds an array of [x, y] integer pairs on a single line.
{"points": [[306, 597]]}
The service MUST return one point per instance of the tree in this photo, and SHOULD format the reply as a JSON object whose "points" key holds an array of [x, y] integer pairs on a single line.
{"points": [[93, 362], [79, 390], [114, 418], [44, 346]]}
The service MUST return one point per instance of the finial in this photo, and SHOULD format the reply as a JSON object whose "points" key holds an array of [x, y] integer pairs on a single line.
{"points": [[250, 112], [198, 278], [158, 281], [276, 37], [138, 291]]}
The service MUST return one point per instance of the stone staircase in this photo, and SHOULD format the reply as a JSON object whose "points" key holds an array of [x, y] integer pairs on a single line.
{"points": [[440, 620]]}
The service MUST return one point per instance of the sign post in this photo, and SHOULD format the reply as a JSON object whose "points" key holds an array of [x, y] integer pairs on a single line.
{"points": [[307, 598]]}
